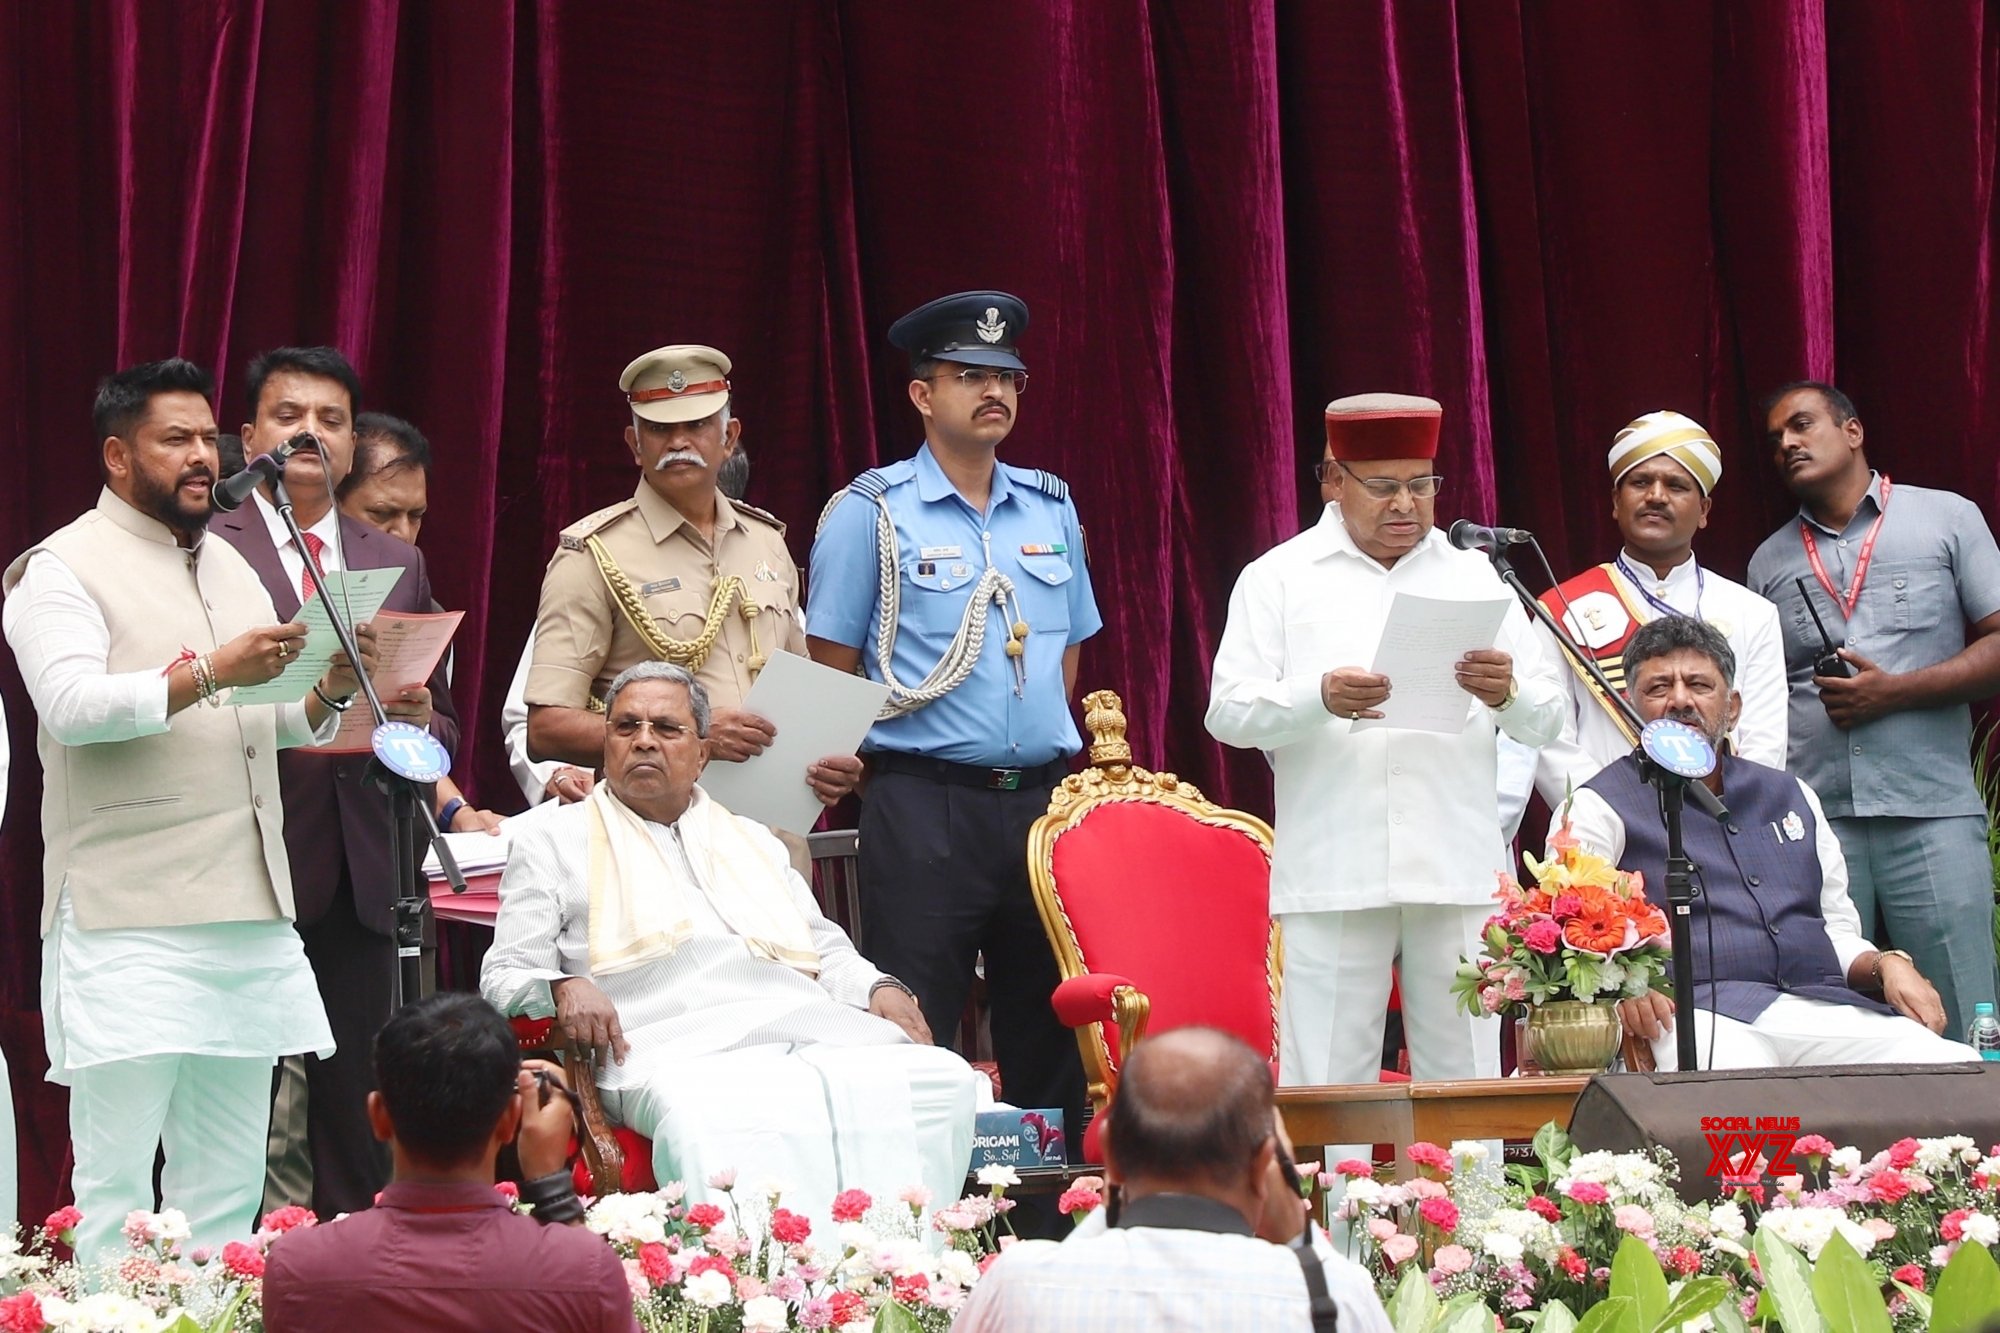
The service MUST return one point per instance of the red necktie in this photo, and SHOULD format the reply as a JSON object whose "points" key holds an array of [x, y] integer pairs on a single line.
{"points": [[306, 584]]}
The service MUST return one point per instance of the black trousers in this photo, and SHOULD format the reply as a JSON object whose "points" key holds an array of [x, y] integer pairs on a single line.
{"points": [[944, 876], [356, 969]]}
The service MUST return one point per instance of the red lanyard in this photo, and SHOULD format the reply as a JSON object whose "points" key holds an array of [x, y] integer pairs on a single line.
{"points": [[1846, 601]]}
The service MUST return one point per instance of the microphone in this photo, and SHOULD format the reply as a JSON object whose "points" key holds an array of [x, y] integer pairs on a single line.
{"points": [[230, 494], [1469, 536]]}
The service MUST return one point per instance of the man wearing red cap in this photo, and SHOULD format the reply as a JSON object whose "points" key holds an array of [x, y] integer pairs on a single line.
{"points": [[1388, 838]]}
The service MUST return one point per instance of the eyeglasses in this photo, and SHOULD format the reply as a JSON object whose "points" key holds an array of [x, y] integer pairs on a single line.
{"points": [[976, 378], [1382, 488]]}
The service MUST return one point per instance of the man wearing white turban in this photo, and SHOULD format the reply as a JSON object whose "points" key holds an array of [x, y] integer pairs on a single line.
{"points": [[1664, 468]]}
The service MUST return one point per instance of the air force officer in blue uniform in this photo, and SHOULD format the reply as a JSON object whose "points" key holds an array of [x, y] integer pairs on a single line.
{"points": [[960, 581]]}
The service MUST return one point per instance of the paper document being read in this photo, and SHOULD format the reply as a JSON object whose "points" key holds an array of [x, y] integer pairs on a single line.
{"points": [[1420, 647], [818, 711], [408, 645], [361, 593]]}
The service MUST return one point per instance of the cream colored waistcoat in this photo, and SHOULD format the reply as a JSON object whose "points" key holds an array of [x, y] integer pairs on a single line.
{"points": [[185, 827]]}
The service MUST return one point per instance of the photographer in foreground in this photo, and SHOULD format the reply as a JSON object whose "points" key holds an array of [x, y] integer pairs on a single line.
{"points": [[442, 1249]]}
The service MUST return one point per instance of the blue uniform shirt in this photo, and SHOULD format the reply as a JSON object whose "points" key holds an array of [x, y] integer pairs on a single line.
{"points": [[944, 545]]}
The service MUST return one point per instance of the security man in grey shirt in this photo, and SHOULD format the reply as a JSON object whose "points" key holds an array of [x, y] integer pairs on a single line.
{"points": [[1907, 584]]}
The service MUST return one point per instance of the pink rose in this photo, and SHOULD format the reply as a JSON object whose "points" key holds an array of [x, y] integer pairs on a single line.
{"points": [[1453, 1259], [1631, 1217], [1400, 1249], [1543, 936]]}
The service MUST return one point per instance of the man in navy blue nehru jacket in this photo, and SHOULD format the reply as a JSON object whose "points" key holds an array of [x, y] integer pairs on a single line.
{"points": [[960, 581], [1783, 974]]}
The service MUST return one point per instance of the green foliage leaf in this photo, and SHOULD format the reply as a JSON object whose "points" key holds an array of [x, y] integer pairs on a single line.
{"points": [[1697, 1296], [1466, 1314], [1850, 1300], [1968, 1291], [185, 1324], [1787, 1286], [1728, 1319], [1553, 1148], [1636, 1274], [1553, 1318], [1920, 1301], [1614, 1314], [893, 1318], [1586, 977], [1415, 1306]]}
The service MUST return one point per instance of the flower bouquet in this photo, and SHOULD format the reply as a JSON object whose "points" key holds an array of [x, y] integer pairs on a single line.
{"points": [[1584, 936]]}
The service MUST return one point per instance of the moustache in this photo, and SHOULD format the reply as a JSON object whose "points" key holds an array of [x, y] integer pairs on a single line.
{"points": [[680, 456], [196, 473]]}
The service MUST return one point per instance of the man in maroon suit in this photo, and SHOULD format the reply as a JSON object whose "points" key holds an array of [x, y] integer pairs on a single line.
{"points": [[337, 825]]}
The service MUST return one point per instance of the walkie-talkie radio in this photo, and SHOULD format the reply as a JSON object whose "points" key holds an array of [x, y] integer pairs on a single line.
{"points": [[1830, 662]]}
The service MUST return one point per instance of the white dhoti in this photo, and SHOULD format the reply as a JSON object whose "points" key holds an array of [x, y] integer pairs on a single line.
{"points": [[815, 1119], [1798, 1031]]}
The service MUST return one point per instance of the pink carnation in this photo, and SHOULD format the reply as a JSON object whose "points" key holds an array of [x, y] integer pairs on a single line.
{"points": [[789, 1228], [1566, 905], [22, 1313], [1542, 1206], [1381, 1228], [1429, 1154], [289, 1218], [1453, 1259], [1516, 989], [851, 1205], [244, 1261], [1587, 1192], [1813, 1145], [1888, 1186], [1400, 1249], [508, 1189], [1631, 1217], [656, 1261], [1078, 1200], [1683, 1261], [1881, 1228], [1544, 936], [705, 1215], [1901, 1153], [1910, 1275], [1440, 1213], [1952, 1226], [1353, 1168], [1424, 1188], [60, 1221]]}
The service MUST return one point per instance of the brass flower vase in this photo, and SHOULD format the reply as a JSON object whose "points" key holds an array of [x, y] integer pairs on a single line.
{"points": [[1574, 1036]]}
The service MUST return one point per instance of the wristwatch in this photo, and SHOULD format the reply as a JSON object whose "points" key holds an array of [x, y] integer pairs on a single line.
{"points": [[1513, 693], [1880, 954]]}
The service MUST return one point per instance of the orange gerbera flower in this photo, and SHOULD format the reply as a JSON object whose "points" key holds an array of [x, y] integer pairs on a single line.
{"points": [[1599, 928]]}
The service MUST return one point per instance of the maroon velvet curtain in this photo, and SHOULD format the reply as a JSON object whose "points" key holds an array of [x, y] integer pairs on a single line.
{"points": [[1550, 215]]}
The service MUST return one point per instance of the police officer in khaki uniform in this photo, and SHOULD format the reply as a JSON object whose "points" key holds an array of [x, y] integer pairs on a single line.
{"points": [[678, 572]]}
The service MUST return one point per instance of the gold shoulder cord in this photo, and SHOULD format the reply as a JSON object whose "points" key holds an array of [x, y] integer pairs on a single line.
{"points": [[690, 653]]}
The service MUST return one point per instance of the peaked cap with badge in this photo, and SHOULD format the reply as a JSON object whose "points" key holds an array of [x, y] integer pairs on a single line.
{"points": [[635, 581], [971, 328], [1381, 427], [683, 382]]}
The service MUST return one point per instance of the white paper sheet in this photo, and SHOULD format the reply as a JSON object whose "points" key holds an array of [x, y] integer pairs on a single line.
{"points": [[362, 592], [408, 645], [1420, 646], [818, 711]]}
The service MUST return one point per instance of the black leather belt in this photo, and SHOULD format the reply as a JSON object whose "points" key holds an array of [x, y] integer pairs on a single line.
{"points": [[1042, 776]]}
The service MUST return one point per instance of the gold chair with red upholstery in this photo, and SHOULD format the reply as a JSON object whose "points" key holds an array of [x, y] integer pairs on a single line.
{"points": [[1157, 903]]}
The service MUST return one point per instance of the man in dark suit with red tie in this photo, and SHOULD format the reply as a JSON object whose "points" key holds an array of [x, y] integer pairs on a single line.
{"points": [[337, 825]]}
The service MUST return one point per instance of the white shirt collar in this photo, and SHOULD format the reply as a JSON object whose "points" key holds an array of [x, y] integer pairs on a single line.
{"points": [[1681, 578], [324, 529]]}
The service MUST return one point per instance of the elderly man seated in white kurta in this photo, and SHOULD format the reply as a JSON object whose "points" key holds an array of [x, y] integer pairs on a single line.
{"points": [[741, 1027]]}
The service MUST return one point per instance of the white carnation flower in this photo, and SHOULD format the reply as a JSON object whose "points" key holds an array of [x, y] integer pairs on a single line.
{"points": [[957, 1266], [710, 1290], [765, 1314], [1364, 1193], [1470, 1151], [1846, 1159], [1982, 1229], [1727, 1219], [1507, 1249], [629, 1219], [1003, 1176], [855, 1236], [1804, 1229], [1599, 1167]]}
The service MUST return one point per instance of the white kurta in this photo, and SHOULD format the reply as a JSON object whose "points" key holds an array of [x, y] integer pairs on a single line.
{"points": [[737, 1061], [1379, 816], [1590, 739], [230, 988]]}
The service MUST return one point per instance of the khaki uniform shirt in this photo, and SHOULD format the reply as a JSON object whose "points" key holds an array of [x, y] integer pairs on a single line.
{"points": [[582, 638]]}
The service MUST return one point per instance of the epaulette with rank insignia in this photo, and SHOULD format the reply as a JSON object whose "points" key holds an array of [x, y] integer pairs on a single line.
{"points": [[872, 484], [1052, 484], [574, 535], [754, 512]]}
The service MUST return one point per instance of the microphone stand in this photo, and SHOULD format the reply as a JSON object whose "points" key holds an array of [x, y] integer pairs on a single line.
{"points": [[1673, 790], [416, 925]]}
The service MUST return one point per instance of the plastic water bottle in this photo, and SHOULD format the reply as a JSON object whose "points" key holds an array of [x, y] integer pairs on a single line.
{"points": [[1984, 1034]]}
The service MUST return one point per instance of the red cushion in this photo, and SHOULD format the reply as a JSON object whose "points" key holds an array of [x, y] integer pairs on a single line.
{"points": [[1180, 907], [637, 1177]]}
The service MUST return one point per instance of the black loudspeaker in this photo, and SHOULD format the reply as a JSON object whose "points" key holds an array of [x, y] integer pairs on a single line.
{"points": [[1707, 1119]]}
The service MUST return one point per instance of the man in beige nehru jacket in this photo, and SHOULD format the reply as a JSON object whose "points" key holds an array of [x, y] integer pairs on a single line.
{"points": [[1388, 838], [677, 573]]}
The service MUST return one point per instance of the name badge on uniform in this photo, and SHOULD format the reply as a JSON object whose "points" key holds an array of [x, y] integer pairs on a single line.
{"points": [[939, 553], [659, 585], [765, 573], [1055, 548]]}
